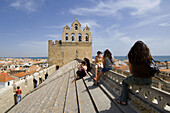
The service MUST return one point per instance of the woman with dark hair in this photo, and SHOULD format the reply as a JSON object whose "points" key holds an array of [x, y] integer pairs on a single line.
{"points": [[82, 71], [88, 64], [107, 63], [138, 56]]}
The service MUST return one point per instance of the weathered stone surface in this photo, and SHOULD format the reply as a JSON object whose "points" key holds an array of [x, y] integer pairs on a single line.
{"points": [[71, 100], [85, 102], [102, 102], [63, 52], [57, 94]]}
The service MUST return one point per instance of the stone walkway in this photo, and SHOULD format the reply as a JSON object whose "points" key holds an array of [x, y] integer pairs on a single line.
{"points": [[58, 95]]}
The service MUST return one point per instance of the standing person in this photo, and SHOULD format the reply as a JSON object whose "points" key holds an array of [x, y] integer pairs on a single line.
{"points": [[35, 83], [46, 75], [138, 56], [82, 71], [98, 62], [107, 63], [19, 94], [40, 79]]}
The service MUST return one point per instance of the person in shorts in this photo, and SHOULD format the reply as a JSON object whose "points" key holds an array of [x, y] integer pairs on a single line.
{"points": [[107, 63], [98, 62]]}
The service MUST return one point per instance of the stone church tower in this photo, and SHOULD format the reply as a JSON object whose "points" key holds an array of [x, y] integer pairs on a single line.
{"points": [[74, 43]]}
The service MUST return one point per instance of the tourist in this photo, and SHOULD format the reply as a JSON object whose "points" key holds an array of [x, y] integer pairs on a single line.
{"points": [[88, 64], [19, 94], [107, 63], [138, 56], [82, 71], [98, 62], [40, 79], [46, 75], [35, 82]]}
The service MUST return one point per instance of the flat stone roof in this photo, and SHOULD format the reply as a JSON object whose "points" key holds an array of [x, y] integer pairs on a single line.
{"points": [[58, 95]]}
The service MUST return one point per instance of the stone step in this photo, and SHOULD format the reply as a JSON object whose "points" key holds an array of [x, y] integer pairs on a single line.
{"points": [[114, 96], [46, 108], [41, 93], [60, 101], [102, 102], [71, 99], [44, 99], [85, 102], [36, 100]]}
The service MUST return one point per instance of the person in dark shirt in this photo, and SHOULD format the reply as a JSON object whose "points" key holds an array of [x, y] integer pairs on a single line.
{"points": [[82, 71], [35, 83], [138, 56], [46, 75]]}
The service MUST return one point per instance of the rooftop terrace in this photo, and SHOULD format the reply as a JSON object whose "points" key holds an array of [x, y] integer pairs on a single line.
{"points": [[57, 94]]}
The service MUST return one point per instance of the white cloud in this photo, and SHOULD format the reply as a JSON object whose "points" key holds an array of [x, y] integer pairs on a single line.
{"points": [[28, 5], [111, 7], [151, 20], [166, 24], [89, 23], [127, 40]]}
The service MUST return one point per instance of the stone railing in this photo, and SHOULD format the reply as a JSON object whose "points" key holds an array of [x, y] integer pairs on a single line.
{"points": [[160, 84], [142, 98], [7, 98]]}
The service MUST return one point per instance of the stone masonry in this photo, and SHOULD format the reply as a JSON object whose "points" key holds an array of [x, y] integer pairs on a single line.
{"points": [[75, 43]]}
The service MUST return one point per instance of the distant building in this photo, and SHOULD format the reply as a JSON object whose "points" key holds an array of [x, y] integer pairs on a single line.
{"points": [[5, 80], [19, 76], [75, 43], [165, 71]]}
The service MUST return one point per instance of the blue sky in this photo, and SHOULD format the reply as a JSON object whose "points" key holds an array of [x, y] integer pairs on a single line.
{"points": [[27, 25]]}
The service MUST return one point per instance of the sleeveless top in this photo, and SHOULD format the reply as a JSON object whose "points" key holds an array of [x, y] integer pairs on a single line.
{"points": [[98, 60], [108, 63], [140, 70]]}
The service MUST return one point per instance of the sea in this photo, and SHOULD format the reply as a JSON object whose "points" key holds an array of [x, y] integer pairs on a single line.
{"points": [[156, 58]]}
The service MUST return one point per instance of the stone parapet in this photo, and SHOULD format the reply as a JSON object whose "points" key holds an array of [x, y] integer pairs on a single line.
{"points": [[142, 98], [7, 94]]}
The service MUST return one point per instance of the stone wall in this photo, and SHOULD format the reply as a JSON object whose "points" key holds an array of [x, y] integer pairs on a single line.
{"points": [[61, 54], [7, 99], [66, 50]]}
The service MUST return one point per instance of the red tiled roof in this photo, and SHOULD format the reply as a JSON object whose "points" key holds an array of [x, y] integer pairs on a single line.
{"points": [[33, 66], [1, 63], [4, 77], [165, 70], [20, 74]]}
